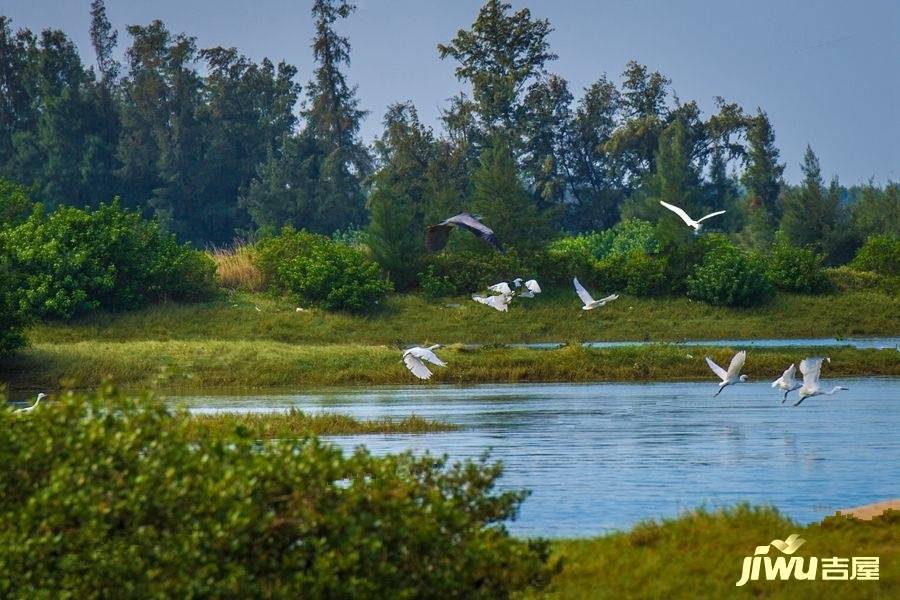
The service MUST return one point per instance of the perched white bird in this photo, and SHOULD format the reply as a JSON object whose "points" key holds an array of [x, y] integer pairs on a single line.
{"points": [[787, 382], [687, 219], [588, 300], [37, 401], [733, 374], [531, 287], [415, 358], [811, 369], [499, 302]]}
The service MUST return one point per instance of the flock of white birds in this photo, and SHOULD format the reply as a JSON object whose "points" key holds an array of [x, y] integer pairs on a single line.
{"points": [[503, 294]]}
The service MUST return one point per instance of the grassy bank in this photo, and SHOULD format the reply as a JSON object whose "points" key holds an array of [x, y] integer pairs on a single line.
{"points": [[293, 424], [700, 555], [262, 364], [552, 316]]}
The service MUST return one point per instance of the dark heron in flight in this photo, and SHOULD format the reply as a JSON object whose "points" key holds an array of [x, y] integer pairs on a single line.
{"points": [[436, 235]]}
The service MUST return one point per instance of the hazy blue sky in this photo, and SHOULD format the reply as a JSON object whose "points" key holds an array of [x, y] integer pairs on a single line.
{"points": [[827, 71]]}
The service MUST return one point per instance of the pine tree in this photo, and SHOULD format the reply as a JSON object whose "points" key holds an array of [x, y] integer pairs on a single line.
{"points": [[104, 39]]}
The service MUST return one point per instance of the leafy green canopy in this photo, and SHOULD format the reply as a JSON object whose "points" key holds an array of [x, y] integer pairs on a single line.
{"points": [[110, 496]]}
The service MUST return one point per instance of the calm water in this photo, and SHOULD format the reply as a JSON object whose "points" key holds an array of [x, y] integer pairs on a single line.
{"points": [[603, 456]]}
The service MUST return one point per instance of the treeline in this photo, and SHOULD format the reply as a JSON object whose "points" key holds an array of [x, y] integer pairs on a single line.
{"points": [[219, 147]]}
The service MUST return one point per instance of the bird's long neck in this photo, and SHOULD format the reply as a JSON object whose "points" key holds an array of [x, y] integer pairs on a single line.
{"points": [[834, 390]]}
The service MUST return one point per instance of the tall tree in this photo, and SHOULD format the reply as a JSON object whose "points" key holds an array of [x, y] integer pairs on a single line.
{"points": [[399, 191], [500, 55], [17, 112], [546, 138], [763, 174], [104, 39]]}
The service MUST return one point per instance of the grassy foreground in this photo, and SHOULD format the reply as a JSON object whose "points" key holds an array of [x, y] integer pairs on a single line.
{"points": [[552, 316], [294, 423], [699, 555], [260, 364]]}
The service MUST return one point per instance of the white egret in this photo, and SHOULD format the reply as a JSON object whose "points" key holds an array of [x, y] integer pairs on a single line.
{"points": [[531, 287], [588, 300], [37, 401], [733, 375], [787, 382], [415, 359], [687, 219], [811, 369], [499, 302], [501, 288]]}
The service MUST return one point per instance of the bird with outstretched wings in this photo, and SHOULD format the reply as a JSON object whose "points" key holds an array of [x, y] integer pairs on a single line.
{"points": [[436, 236]]}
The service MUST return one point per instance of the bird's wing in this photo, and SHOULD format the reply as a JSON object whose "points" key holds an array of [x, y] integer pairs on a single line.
{"points": [[436, 237], [467, 221], [713, 214], [811, 369], [532, 285], [789, 374], [431, 357], [684, 216], [582, 293], [499, 302], [501, 288], [719, 371], [416, 366], [610, 298], [737, 363]]}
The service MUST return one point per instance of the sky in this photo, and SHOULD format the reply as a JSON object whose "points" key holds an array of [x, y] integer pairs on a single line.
{"points": [[827, 72]]}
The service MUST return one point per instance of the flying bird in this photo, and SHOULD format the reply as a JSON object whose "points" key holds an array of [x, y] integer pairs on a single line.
{"points": [[436, 235], [501, 288], [787, 382], [499, 302], [588, 300], [687, 219], [531, 287], [37, 401], [415, 359], [733, 375], [811, 369]]}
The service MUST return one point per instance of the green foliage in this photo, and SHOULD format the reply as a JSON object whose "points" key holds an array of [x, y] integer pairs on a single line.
{"points": [[315, 269], [452, 273], [12, 316], [636, 273], [728, 276], [877, 210], [74, 261], [847, 279], [115, 496], [880, 254], [15, 203], [796, 269]]}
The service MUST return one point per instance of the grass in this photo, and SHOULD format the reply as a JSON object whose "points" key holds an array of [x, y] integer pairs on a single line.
{"points": [[294, 423], [266, 364], [235, 268], [700, 554], [552, 316]]}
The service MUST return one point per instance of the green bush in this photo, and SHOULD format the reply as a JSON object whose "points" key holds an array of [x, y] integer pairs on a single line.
{"points": [[15, 203], [461, 272], [110, 496], [12, 317], [74, 261], [880, 254], [847, 279], [796, 269], [315, 269], [728, 276], [635, 272]]}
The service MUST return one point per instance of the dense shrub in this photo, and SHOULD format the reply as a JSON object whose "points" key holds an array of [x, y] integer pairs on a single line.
{"points": [[315, 269], [12, 316], [110, 496], [728, 276], [73, 261], [15, 203], [113, 497], [461, 272], [796, 269], [880, 254], [848, 279], [635, 272]]}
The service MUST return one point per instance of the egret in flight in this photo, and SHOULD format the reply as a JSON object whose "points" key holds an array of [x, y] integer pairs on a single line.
{"points": [[787, 382], [811, 369], [436, 236], [37, 401], [588, 300], [733, 375], [687, 219], [415, 359], [531, 287], [499, 302]]}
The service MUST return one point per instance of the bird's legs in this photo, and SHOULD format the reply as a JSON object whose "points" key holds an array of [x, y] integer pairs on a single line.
{"points": [[722, 386]]}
